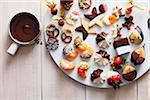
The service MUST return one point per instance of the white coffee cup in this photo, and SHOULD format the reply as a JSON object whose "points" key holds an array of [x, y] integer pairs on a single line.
{"points": [[16, 42]]}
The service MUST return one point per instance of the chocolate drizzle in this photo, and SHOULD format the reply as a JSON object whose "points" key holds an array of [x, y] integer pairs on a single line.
{"points": [[104, 54], [100, 37], [96, 74]]}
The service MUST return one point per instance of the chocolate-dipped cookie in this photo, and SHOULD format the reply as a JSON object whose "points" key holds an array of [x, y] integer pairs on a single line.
{"points": [[138, 55], [129, 73], [103, 40], [102, 58]]}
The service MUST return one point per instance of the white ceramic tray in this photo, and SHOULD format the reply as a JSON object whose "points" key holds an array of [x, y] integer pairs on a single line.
{"points": [[140, 18]]}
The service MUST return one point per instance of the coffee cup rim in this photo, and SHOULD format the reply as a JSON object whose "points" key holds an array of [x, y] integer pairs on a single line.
{"points": [[20, 42]]}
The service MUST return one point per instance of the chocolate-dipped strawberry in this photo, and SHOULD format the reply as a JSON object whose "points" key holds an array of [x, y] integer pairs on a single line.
{"points": [[117, 62], [138, 55], [114, 79], [66, 4], [129, 73], [136, 37]]}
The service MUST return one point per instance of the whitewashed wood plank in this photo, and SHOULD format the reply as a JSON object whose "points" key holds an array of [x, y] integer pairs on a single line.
{"points": [[19, 0], [128, 92], [56, 85], [100, 94], [124, 93], [20, 75], [144, 87]]}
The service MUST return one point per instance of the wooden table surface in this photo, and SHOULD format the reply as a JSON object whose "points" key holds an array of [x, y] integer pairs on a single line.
{"points": [[32, 75]]}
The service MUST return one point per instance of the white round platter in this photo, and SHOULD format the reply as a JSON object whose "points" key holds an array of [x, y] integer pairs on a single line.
{"points": [[140, 18]]}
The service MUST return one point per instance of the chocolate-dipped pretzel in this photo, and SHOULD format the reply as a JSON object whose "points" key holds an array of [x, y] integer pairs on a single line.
{"points": [[66, 36], [52, 31], [52, 43]]}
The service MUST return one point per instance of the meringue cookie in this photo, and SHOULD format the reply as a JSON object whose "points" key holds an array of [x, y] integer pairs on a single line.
{"points": [[101, 79], [103, 40], [101, 58]]}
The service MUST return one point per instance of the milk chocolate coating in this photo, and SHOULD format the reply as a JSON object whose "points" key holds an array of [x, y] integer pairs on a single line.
{"points": [[136, 59], [130, 76]]}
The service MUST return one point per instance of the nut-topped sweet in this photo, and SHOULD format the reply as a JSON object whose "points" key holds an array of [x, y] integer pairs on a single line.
{"points": [[136, 36]]}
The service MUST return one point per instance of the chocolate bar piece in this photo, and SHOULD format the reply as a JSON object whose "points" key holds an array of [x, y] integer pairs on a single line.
{"points": [[122, 46]]}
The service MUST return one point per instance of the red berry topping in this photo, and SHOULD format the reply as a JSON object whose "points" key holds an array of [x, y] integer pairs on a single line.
{"points": [[61, 22], [82, 72], [115, 81], [118, 60], [54, 10]]}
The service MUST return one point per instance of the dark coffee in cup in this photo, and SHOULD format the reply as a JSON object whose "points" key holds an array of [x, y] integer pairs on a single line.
{"points": [[24, 27]]}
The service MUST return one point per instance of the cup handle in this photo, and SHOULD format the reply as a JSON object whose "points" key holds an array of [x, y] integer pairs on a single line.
{"points": [[13, 48]]}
